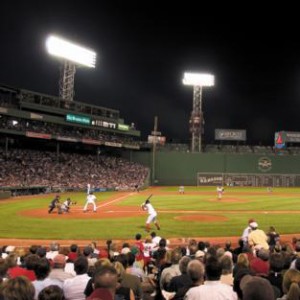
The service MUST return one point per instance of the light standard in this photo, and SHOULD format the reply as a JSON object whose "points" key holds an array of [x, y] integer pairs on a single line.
{"points": [[72, 55], [198, 81]]}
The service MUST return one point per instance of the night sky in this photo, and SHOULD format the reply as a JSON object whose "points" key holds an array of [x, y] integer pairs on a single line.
{"points": [[144, 49]]}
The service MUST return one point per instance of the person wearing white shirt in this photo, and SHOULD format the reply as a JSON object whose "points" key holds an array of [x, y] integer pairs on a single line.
{"points": [[74, 287], [220, 191], [152, 215], [212, 287], [88, 188], [90, 199]]}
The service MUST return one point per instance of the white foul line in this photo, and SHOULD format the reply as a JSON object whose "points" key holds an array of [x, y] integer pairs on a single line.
{"points": [[113, 201]]}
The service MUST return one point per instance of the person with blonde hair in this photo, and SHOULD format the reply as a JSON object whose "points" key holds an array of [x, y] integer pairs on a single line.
{"points": [[290, 285], [127, 292], [242, 263]]}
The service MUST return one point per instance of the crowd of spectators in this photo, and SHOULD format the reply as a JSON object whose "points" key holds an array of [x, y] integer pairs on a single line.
{"points": [[22, 167], [59, 131], [152, 268]]}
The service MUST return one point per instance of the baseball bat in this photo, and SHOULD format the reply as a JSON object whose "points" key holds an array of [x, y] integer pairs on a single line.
{"points": [[149, 197]]}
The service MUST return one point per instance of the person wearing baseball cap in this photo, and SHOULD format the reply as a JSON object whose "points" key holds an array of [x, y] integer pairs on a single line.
{"points": [[246, 232], [257, 238]]}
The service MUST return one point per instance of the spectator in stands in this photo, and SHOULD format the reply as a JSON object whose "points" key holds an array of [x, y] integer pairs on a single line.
{"points": [[275, 275], [227, 268], [183, 280], [105, 282], [131, 281], [31, 261], [53, 250], [246, 233], [256, 288], [259, 265], [3, 270], [273, 237], [51, 292], [74, 251], [257, 238], [172, 271], [58, 274], [195, 271], [18, 288], [74, 287], [42, 271]]}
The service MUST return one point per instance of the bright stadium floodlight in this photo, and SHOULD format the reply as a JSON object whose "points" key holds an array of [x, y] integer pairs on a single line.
{"points": [[198, 81], [72, 52], [73, 55]]}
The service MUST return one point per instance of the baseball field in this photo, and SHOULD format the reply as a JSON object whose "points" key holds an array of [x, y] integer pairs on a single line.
{"points": [[196, 213]]}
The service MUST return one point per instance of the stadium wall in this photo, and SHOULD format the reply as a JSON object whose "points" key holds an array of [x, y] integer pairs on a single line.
{"points": [[4, 195], [180, 168]]}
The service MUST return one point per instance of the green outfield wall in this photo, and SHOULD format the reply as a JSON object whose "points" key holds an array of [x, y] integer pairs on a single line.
{"points": [[176, 168], [4, 195]]}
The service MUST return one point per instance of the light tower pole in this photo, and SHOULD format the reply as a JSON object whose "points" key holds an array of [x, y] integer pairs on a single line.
{"points": [[198, 81], [73, 55], [66, 81], [155, 135]]}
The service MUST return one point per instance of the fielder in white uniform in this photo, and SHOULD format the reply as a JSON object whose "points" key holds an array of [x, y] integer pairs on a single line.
{"points": [[152, 215], [220, 191], [90, 199], [88, 188], [181, 189]]}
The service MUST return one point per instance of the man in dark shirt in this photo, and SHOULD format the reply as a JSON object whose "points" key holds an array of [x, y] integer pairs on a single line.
{"points": [[53, 203]]}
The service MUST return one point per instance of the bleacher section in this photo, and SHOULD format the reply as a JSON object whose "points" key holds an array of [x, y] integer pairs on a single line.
{"points": [[40, 116]]}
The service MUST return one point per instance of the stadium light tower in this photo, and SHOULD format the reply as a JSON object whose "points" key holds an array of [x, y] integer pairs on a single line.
{"points": [[73, 55], [198, 81]]}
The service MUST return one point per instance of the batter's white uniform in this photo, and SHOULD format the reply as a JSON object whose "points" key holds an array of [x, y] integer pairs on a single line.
{"points": [[152, 213], [90, 199]]}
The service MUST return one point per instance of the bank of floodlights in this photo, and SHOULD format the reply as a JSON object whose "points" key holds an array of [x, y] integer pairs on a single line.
{"points": [[64, 49], [198, 81], [72, 55]]}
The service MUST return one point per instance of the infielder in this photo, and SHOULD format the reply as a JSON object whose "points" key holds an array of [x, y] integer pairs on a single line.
{"points": [[152, 214], [90, 199]]}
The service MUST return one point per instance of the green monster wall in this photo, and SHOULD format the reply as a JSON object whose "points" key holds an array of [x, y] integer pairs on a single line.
{"points": [[176, 168]]}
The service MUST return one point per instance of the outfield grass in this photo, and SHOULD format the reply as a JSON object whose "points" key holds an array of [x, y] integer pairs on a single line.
{"points": [[237, 206]]}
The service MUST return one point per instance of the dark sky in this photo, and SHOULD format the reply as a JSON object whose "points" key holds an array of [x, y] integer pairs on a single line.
{"points": [[143, 48]]}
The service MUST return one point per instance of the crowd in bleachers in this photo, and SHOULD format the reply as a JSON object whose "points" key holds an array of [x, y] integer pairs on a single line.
{"points": [[20, 167], [57, 130], [261, 267]]}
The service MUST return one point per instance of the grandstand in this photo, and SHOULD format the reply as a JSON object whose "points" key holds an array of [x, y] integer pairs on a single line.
{"points": [[70, 135], [35, 121]]}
